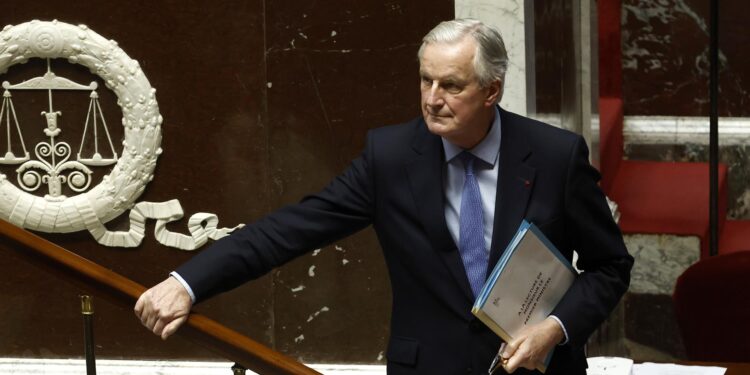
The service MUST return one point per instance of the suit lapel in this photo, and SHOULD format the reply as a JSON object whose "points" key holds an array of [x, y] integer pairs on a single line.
{"points": [[515, 182], [426, 181], [514, 185]]}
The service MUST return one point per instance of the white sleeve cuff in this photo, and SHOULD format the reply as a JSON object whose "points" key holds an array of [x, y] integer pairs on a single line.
{"points": [[192, 295], [553, 317]]}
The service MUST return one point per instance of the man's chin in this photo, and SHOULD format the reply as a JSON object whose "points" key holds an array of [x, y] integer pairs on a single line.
{"points": [[437, 127]]}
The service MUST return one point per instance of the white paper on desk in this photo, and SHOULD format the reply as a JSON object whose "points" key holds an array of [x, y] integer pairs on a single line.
{"points": [[672, 369], [609, 366]]}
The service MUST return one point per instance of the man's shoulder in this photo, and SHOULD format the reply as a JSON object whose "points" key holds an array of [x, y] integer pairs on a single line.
{"points": [[545, 140], [406, 129], [399, 138]]}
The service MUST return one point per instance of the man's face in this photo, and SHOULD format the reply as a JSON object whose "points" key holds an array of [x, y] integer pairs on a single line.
{"points": [[454, 106]]}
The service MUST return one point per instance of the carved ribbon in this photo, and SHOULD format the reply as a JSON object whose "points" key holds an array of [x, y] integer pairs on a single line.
{"points": [[163, 213]]}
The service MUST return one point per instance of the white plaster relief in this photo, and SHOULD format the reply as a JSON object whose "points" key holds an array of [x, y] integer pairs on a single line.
{"points": [[164, 212], [133, 167]]}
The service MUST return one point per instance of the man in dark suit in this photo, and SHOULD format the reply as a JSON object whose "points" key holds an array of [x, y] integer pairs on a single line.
{"points": [[445, 194]]}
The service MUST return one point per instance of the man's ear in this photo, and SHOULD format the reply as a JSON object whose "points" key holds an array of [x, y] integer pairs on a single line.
{"points": [[494, 93]]}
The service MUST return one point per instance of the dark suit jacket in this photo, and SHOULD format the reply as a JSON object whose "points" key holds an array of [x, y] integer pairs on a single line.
{"points": [[396, 185]]}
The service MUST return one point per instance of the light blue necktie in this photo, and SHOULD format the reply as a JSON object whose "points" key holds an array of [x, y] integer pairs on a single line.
{"points": [[471, 227]]}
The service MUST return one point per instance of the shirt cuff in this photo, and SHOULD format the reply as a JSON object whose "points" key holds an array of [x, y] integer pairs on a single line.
{"points": [[558, 322], [192, 295]]}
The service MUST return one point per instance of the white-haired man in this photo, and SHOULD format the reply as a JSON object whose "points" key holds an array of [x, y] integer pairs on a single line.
{"points": [[445, 193]]}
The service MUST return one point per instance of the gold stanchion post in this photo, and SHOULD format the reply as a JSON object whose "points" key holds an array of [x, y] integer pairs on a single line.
{"points": [[238, 369], [87, 309]]}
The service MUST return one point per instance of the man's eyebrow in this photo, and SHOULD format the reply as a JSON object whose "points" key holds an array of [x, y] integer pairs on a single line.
{"points": [[455, 80]]}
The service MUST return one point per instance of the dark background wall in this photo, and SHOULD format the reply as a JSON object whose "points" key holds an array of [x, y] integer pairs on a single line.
{"points": [[552, 29], [263, 102]]}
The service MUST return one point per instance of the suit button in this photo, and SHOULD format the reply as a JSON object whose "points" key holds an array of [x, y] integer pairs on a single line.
{"points": [[476, 325], [469, 370]]}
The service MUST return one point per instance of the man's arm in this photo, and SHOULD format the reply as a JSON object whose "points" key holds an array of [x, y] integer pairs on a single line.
{"points": [[164, 308], [340, 209], [603, 258]]}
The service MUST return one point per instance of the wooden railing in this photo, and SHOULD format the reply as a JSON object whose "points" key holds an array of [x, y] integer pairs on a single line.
{"points": [[121, 290]]}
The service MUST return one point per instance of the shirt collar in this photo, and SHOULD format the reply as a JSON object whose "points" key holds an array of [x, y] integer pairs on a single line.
{"points": [[487, 150]]}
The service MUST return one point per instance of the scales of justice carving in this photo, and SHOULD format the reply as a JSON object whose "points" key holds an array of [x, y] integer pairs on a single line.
{"points": [[53, 163], [53, 156]]}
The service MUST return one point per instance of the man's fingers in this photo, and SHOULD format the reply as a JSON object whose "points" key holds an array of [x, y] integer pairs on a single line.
{"points": [[163, 325], [512, 364], [143, 308], [138, 306], [151, 321], [159, 326], [146, 312], [509, 349], [532, 345], [163, 308], [520, 358], [514, 354], [508, 356], [172, 327]]}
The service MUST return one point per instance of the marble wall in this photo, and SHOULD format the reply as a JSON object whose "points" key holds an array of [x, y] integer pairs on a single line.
{"points": [[665, 73], [665, 46], [665, 56], [510, 18]]}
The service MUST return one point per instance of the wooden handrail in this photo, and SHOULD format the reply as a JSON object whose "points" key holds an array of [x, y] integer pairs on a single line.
{"points": [[222, 340]]}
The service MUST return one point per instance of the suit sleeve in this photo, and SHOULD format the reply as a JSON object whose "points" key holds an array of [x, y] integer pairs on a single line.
{"points": [[602, 255], [340, 209]]}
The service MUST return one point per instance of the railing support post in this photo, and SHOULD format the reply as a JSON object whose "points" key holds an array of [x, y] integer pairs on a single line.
{"points": [[87, 309], [237, 369]]}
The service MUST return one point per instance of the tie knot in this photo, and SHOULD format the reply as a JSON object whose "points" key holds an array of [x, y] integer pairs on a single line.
{"points": [[468, 159]]}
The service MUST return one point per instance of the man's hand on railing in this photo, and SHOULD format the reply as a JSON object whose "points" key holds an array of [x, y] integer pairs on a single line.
{"points": [[164, 308]]}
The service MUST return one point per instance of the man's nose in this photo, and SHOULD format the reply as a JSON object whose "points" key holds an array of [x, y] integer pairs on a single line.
{"points": [[435, 97]]}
